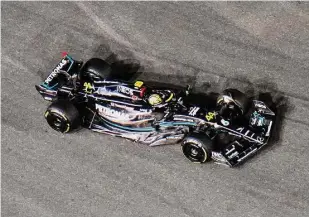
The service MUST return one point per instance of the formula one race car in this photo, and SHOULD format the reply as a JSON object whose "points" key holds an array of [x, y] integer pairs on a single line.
{"points": [[227, 128]]}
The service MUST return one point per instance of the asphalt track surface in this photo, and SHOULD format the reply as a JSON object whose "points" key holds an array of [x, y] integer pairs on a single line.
{"points": [[257, 47]]}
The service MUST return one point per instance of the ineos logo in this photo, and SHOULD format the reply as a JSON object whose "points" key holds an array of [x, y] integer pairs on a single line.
{"points": [[125, 90]]}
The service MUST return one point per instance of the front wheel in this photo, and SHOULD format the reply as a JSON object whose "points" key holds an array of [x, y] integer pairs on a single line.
{"points": [[232, 103], [197, 148], [62, 116]]}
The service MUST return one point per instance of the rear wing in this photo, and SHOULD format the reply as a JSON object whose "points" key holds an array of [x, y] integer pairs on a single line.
{"points": [[64, 67], [60, 75]]}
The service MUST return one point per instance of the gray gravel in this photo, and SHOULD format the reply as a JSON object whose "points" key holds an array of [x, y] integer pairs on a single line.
{"points": [[253, 46]]}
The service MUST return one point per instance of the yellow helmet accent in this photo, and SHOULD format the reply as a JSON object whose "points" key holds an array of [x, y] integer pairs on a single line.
{"points": [[154, 99], [171, 97]]}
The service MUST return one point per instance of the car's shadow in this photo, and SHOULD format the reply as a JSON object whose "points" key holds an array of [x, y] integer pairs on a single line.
{"points": [[262, 89], [127, 69]]}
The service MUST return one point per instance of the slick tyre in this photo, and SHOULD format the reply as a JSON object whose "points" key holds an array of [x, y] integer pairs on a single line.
{"points": [[197, 148], [95, 69], [62, 116], [240, 99]]}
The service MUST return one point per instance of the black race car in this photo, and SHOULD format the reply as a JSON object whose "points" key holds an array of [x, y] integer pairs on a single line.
{"points": [[227, 128]]}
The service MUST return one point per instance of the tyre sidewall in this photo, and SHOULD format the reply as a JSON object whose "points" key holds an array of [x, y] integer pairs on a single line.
{"points": [[58, 120], [240, 101], [191, 142], [62, 116], [95, 69]]}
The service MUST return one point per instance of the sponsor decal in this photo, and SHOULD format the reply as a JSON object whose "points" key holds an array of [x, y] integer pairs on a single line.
{"points": [[225, 123], [127, 108], [228, 151], [134, 98], [233, 155], [145, 110], [125, 90], [110, 112], [210, 116], [193, 111], [124, 116], [240, 129], [88, 87], [231, 151], [103, 91], [55, 71], [106, 111]]}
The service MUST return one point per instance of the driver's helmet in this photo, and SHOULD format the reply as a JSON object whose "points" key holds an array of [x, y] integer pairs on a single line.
{"points": [[155, 99]]}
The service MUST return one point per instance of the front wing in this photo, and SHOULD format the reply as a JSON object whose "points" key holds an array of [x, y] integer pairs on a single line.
{"points": [[246, 142]]}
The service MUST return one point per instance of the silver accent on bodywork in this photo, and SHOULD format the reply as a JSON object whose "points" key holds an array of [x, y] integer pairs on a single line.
{"points": [[108, 82], [56, 71], [153, 138], [125, 115], [193, 110], [247, 155], [168, 140], [262, 108], [219, 158], [196, 120], [225, 123], [48, 98], [106, 92], [110, 100], [237, 133], [269, 128]]}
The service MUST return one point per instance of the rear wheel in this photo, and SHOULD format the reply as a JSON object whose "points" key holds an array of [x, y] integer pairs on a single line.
{"points": [[197, 148], [95, 69], [62, 116]]}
